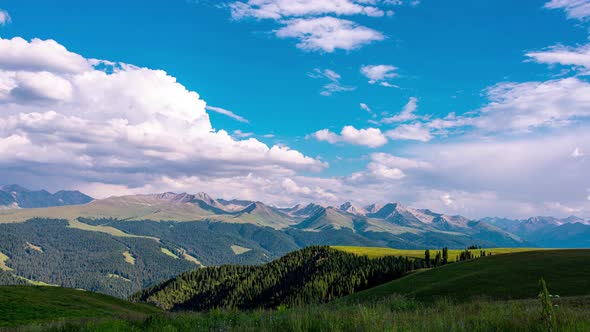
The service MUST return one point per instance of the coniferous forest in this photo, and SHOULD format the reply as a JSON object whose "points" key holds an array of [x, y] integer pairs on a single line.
{"points": [[315, 274]]}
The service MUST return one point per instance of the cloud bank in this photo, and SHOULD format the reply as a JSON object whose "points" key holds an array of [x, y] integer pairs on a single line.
{"points": [[93, 121]]}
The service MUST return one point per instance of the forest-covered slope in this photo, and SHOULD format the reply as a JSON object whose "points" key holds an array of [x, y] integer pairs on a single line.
{"points": [[312, 275]]}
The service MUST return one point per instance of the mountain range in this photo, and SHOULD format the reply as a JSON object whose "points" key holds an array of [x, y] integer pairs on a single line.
{"points": [[391, 224], [119, 245], [14, 197]]}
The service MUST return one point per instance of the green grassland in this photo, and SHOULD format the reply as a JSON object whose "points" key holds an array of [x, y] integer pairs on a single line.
{"points": [[374, 252], [395, 313], [502, 277], [494, 293], [25, 305]]}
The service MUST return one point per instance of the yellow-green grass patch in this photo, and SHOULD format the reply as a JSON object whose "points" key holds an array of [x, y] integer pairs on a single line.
{"points": [[116, 276], [128, 257], [376, 252], [31, 246], [166, 251], [238, 250], [189, 258], [3, 260], [36, 283], [74, 223]]}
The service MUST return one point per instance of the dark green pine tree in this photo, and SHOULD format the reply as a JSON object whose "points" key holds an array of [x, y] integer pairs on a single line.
{"points": [[445, 258], [427, 258]]}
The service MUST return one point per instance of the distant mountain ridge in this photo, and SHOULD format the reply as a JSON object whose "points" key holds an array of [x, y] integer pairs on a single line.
{"points": [[551, 232], [391, 224], [17, 197]]}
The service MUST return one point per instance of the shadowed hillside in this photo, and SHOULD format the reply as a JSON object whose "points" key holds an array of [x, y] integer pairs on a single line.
{"points": [[509, 276]]}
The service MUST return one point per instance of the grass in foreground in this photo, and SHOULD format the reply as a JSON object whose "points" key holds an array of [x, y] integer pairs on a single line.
{"points": [[25, 305], [375, 252], [501, 277], [394, 313]]}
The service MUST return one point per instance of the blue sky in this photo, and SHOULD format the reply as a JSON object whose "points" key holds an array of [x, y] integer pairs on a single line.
{"points": [[489, 64]]}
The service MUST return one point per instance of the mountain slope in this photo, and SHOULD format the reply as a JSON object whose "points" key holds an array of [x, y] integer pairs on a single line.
{"points": [[328, 218], [262, 215], [310, 275]]}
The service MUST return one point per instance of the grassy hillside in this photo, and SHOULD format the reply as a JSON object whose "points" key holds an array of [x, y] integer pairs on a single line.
{"points": [[508, 276], [394, 314], [374, 252], [25, 305]]}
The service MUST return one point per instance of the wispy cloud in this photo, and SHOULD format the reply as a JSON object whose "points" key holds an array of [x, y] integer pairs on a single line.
{"points": [[4, 17], [241, 134], [333, 79], [576, 9], [366, 108], [227, 113], [407, 113], [578, 57]]}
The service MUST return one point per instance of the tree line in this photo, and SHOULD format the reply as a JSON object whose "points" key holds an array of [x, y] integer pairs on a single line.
{"points": [[442, 257]]}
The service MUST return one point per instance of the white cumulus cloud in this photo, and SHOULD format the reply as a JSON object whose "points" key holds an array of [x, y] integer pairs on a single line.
{"points": [[277, 9], [415, 132], [370, 137], [379, 74], [63, 118], [328, 34]]}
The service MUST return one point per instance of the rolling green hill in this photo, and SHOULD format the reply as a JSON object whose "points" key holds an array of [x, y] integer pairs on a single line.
{"points": [[509, 276], [25, 305]]}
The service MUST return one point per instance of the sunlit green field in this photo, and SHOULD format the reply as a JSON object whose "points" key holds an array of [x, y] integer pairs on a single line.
{"points": [[394, 313], [374, 252], [25, 305], [499, 277], [497, 293]]}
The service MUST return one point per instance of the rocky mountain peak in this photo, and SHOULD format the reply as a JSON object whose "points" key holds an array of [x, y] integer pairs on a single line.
{"points": [[352, 208]]}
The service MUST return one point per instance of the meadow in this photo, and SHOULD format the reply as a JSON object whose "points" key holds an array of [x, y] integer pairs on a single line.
{"points": [[26, 305], [499, 277], [375, 252], [394, 313]]}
